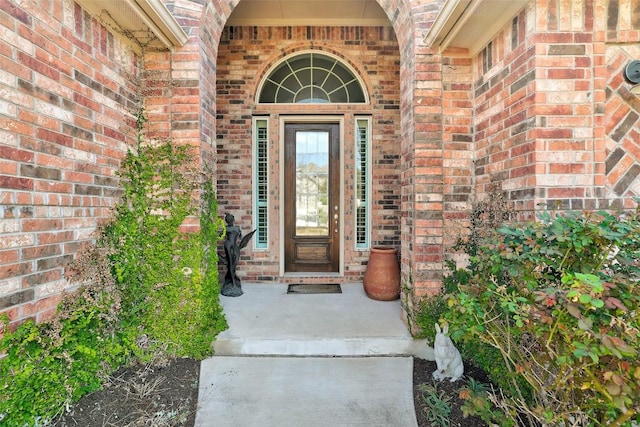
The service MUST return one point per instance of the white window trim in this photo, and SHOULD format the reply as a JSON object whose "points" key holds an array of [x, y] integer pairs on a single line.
{"points": [[369, 192], [254, 179]]}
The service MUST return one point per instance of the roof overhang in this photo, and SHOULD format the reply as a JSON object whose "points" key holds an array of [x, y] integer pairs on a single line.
{"points": [[308, 12], [149, 22], [470, 24]]}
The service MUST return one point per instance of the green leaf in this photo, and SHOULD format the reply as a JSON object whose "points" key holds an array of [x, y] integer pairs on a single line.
{"points": [[597, 303], [573, 294], [585, 298], [591, 280], [613, 389], [585, 324], [574, 310]]}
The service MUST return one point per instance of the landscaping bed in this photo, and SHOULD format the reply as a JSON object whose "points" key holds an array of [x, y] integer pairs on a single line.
{"points": [[423, 383], [166, 394], [160, 395]]}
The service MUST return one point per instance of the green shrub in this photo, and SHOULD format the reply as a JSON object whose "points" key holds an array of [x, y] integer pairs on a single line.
{"points": [[477, 402], [478, 353], [185, 314], [50, 365], [558, 298], [147, 287], [431, 310], [168, 278]]}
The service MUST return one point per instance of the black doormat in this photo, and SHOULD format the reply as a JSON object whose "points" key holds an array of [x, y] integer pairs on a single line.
{"points": [[314, 289]]}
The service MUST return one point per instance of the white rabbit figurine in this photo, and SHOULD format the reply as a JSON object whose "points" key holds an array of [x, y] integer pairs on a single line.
{"points": [[447, 356]]}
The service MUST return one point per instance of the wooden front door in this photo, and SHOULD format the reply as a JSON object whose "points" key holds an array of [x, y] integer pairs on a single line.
{"points": [[312, 197]]}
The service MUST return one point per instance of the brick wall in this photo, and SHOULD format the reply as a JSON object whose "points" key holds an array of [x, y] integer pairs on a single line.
{"points": [[458, 143], [70, 116], [245, 54], [67, 94], [622, 109], [569, 97], [422, 153], [504, 101], [188, 108], [555, 122]]}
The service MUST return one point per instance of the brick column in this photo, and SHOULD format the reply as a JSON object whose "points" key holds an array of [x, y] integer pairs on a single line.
{"points": [[422, 158]]}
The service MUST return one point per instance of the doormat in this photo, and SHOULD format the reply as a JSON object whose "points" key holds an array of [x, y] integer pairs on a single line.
{"points": [[314, 289]]}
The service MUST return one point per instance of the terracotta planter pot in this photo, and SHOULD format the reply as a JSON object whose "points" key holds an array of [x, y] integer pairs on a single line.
{"points": [[382, 278]]}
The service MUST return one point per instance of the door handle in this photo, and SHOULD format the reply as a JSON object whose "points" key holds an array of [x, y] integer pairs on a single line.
{"points": [[336, 216]]}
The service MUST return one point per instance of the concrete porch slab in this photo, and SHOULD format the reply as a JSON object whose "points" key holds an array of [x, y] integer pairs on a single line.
{"points": [[268, 321]]}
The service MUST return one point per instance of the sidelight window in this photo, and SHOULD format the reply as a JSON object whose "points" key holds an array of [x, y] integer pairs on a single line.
{"points": [[261, 181], [363, 182]]}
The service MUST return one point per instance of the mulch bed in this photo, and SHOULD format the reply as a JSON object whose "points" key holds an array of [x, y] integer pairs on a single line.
{"points": [[164, 395], [167, 395], [422, 370]]}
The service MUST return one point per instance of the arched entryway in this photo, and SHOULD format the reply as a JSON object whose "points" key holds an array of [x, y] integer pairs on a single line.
{"points": [[410, 208]]}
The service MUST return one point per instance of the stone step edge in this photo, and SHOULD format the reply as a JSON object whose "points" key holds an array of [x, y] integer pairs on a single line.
{"points": [[324, 347]]}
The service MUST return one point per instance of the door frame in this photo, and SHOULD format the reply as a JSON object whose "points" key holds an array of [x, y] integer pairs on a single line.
{"points": [[281, 157]]}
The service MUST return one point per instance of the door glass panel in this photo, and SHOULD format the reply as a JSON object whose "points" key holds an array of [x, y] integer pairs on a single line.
{"points": [[312, 183]]}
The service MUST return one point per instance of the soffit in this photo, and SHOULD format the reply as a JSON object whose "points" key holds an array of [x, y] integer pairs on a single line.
{"points": [[471, 24], [148, 22], [308, 12]]}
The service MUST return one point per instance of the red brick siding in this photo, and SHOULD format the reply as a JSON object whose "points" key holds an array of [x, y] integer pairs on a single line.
{"points": [[180, 85], [458, 143], [544, 108], [504, 116], [568, 92], [66, 119], [622, 109], [422, 153]]}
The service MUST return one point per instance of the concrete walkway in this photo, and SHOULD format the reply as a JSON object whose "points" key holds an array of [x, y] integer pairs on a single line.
{"points": [[309, 360]]}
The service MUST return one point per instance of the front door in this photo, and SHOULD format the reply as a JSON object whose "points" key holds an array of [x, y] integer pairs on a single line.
{"points": [[312, 197]]}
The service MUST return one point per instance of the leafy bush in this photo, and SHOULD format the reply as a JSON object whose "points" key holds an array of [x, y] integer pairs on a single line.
{"points": [[486, 216], [50, 365], [558, 298], [477, 403], [167, 277], [147, 287], [478, 353], [430, 310]]}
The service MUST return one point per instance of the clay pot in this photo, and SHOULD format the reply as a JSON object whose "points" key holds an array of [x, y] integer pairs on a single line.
{"points": [[382, 277]]}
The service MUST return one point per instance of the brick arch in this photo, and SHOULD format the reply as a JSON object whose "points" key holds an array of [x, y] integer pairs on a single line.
{"points": [[422, 250], [215, 14]]}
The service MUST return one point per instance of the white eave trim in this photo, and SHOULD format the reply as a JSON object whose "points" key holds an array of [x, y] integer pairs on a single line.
{"points": [[163, 24], [153, 13], [470, 24]]}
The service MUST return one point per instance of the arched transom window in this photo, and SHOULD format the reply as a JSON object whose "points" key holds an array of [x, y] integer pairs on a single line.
{"points": [[311, 78]]}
